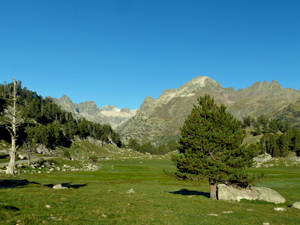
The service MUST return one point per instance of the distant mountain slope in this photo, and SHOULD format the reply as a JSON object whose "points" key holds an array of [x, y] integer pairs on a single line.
{"points": [[105, 115], [159, 120], [290, 114]]}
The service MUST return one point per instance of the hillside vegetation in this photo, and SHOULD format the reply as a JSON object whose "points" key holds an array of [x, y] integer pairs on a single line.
{"points": [[45, 123]]}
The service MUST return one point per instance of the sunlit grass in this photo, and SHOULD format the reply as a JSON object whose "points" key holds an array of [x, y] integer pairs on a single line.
{"points": [[100, 197]]}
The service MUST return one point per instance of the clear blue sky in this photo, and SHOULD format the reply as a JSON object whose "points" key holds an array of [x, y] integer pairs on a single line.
{"points": [[117, 52]]}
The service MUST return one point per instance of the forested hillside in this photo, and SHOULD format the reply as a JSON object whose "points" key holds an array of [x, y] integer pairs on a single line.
{"points": [[276, 138], [46, 123]]}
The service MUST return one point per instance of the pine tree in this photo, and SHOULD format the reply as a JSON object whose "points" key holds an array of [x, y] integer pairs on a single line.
{"points": [[283, 145], [257, 130], [211, 147]]}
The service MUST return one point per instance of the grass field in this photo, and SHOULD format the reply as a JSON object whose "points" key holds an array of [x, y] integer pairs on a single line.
{"points": [[100, 197]]}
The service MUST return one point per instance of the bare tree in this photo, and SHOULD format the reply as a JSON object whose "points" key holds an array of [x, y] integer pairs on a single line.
{"points": [[29, 149], [12, 120]]}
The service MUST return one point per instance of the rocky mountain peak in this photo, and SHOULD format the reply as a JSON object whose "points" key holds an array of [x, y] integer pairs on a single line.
{"points": [[200, 82], [65, 100], [110, 108]]}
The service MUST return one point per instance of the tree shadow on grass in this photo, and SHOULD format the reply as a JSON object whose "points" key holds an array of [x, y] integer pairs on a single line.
{"points": [[9, 208], [68, 185], [12, 183], [189, 192]]}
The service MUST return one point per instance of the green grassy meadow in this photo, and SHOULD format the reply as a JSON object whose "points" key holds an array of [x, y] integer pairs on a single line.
{"points": [[100, 197]]}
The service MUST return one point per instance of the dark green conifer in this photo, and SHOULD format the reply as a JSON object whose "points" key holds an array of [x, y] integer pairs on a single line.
{"points": [[257, 130], [211, 147]]}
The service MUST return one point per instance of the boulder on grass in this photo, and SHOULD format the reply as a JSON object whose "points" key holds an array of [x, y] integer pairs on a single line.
{"points": [[296, 205], [230, 193], [59, 186]]}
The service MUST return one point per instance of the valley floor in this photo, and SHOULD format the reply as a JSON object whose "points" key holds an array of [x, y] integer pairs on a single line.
{"points": [[136, 191]]}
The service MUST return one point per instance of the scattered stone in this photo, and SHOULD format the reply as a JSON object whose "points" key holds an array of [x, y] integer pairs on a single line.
{"points": [[266, 223], [213, 214], [279, 209], [58, 186], [250, 209], [131, 191], [48, 206], [230, 193], [21, 156], [296, 205], [128, 203], [227, 212], [192, 196], [103, 215]]}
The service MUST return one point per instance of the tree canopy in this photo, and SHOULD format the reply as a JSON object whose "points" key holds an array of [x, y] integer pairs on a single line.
{"points": [[211, 147]]}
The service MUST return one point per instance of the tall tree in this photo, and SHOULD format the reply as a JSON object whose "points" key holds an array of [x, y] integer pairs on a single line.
{"points": [[12, 120], [211, 147]]}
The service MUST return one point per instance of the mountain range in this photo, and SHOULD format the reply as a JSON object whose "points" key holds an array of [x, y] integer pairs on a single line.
{"points": [[159, 120], [108, 114]]}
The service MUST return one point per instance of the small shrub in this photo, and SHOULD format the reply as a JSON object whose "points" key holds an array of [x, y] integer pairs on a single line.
{"points": [[93, 159], [66, 154]]}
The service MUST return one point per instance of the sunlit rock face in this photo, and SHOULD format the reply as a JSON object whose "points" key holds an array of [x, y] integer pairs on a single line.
{"points": [[159, 120]]}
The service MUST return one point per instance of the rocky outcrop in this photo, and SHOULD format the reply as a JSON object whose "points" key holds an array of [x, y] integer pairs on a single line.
{"points": [[159, 120], [230, 193], [41, 149]]}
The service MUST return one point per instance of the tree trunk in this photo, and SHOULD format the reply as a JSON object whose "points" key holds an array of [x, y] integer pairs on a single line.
{"points": [[213, 190], [11, 166], [28, 156]]}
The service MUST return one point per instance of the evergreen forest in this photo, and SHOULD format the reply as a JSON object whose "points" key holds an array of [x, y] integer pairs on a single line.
{"points": [[46, 123], [276, 138]]}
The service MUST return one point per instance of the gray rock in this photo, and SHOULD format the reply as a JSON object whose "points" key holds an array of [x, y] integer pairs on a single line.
{"points": [[21, 156], [279, 209], [41, 149], [59, 186], [230, 193], [262, 158], [131, 191], [296, 205]]}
